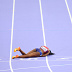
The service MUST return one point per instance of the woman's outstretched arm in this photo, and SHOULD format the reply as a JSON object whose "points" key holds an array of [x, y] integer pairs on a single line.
{"points": [[46, 54]]}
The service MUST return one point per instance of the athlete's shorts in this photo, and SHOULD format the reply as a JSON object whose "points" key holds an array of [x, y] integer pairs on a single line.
{"points": [[38, 50]]}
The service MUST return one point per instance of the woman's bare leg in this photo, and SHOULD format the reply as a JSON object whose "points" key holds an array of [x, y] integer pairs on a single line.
{"points": [[22, 52], [33, 54], [34, 50]]}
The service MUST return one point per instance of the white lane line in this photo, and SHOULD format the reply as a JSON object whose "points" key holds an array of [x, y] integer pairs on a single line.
{"points": [[68, 10], [5, 70], [44, 33], [37, 67], [42, 22], [30, 67], [12, 36], [60, 65], [66, 58], [29, 59], [38, 60], [61, 56], [22, 60], [24, 68]]}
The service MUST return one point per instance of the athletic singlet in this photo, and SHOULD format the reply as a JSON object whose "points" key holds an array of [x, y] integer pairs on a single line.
{"points": [[44, 48]]}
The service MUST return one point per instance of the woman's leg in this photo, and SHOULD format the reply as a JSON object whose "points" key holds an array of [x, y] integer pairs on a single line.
{"points": [[19, 49], [22, 52], [34, 50], [33, 54]]}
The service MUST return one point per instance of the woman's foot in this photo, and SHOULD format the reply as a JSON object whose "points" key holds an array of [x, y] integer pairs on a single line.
{"points": [[15, 56], [17, 49]]}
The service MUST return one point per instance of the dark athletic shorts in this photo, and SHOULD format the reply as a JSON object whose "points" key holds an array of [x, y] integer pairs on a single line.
{"points": [[38, 50]]}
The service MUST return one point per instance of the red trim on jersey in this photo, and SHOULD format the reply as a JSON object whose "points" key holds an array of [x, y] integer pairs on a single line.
{"points": [[46, 48]]}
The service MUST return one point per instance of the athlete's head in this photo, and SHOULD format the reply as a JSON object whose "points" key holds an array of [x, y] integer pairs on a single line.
{"points": [[51, 53]]}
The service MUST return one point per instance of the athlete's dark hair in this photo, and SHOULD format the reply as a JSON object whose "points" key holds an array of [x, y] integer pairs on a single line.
{"points": [[51, 53]]}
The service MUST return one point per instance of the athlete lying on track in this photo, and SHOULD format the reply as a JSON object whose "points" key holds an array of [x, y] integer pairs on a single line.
{"points": [[37, 52]]}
